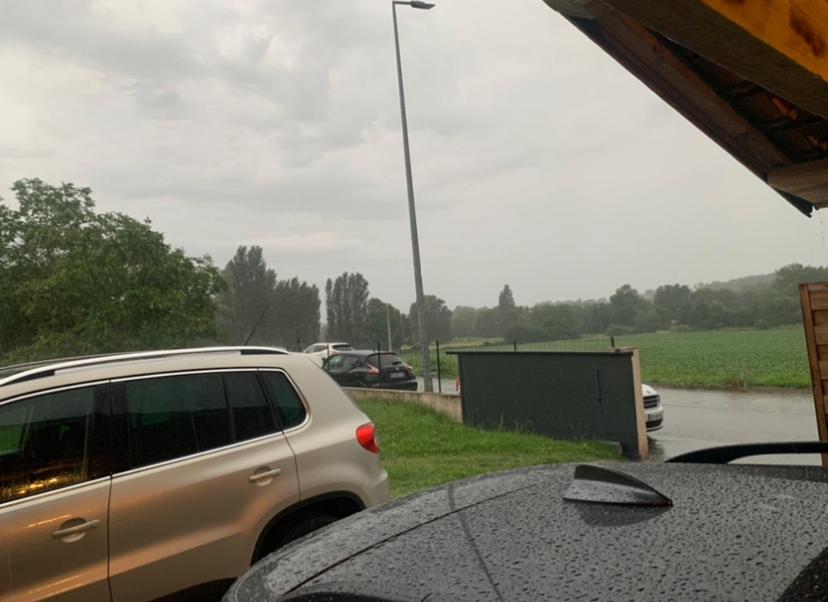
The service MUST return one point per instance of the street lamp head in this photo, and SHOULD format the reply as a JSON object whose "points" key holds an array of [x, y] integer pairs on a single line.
{"points": [[419, 4]]}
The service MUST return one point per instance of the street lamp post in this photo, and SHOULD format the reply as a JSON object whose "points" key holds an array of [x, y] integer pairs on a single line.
{"points": [[412, 215]]}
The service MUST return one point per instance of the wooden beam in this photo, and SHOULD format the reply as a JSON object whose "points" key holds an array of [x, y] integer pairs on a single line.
{"points": [[807, 293], [805, 180], [796, 28], [782, 45], [646, 56]]}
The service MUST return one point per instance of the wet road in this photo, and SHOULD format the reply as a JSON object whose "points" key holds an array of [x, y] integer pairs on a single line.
{"points": [[698, 419]]}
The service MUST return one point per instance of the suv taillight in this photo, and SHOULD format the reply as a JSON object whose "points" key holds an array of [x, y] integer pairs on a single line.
{"points": [[367, 437]]}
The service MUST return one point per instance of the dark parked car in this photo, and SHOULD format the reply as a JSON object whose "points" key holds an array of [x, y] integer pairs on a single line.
{"points": [[365, 368], [675, 531]]}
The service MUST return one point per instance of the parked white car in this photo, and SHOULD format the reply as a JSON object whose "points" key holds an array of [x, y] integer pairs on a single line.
{"points": [[652, 408], [319, 352]]}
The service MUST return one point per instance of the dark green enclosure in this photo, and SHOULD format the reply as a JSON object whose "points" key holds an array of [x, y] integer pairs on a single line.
{"points": [[564, 395]]}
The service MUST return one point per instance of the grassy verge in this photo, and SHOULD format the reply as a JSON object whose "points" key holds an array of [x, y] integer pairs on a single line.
{"points": [[421, 448]]}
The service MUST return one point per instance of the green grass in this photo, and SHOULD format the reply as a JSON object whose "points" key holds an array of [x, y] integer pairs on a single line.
{"points": [[710, 359], [422, 449], [724, 358]]}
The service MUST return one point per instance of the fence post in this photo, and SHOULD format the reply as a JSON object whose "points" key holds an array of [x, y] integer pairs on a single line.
{"points": [[514, 345], [612, 341], [298, 344], [439, 375]]}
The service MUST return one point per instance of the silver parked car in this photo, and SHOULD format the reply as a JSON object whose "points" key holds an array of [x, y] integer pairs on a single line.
{"points": [[137, 476]]}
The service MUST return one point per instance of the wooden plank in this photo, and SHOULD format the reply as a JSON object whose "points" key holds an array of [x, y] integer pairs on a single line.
{"points": [[806, 180], [779, 44], [640, 414], [820, 318], [821, 335], [644, 55], [808, 315], [819, 300]]}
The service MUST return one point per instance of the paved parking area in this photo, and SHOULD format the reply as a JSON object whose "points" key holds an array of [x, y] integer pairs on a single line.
{"points": [[698, 419]]}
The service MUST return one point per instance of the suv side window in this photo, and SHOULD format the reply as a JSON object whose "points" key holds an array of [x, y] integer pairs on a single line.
{"points": [[252, 415], [51, 441], [291, 409], [175, 416]]}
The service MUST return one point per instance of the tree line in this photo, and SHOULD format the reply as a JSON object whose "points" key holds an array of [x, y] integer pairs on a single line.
{"points": [[75, 281], [767, 303]]}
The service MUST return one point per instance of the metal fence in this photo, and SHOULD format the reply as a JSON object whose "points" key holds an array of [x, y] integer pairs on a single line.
{"points": [[444, 362]]}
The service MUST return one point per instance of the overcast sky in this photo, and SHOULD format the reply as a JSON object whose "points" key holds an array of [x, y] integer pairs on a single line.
{"points": [[538, 161]]}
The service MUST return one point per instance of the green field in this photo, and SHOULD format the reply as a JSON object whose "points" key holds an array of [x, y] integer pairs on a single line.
{"points": [[724, 358], [712, 359], [421, 448]]}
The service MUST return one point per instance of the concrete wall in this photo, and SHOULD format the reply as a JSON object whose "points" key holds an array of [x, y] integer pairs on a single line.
{"points": [[446, 404]]}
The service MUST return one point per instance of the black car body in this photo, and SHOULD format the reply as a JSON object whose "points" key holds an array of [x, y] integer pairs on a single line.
{"points": [[365, 368], [731, 532]]}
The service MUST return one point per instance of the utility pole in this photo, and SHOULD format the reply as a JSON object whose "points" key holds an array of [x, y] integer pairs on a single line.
{"points": [[412, 214], [388, 324]]}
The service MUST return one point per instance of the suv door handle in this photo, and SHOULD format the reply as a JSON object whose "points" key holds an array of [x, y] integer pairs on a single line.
{"points": [[75, 530], [266, 474]]}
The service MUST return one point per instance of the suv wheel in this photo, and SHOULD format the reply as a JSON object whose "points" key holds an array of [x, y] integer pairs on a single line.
{"points": [[304, 526]]}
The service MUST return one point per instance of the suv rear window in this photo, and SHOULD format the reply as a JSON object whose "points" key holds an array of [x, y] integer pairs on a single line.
{"points": [[290, 406], [252, 416], [387, 359]]}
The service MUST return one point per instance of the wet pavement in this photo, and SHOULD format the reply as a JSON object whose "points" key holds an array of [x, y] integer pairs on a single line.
{"points": [[698, 419]]}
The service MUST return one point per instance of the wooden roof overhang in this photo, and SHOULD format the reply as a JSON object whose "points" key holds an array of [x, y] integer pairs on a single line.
{"points": [[751, 74]]}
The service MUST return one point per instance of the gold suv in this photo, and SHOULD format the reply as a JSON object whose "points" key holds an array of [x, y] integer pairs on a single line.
{"points": [[167, 473]]}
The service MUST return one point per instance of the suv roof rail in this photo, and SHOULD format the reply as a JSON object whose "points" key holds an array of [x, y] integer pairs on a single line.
{"points": [[32, 370]]}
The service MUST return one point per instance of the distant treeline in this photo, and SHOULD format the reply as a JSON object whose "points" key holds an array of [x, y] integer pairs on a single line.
{"points": [[75, 281], [770, 302]]}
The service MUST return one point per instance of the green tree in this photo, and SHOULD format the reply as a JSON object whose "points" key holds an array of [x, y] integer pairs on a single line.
{"points": [[379, 316], [346, 299], [296, 313], [464, 321], [788, 278], [557, 320], [437, 318], [626, 305], [672, 303], [507, 312], [76, 281], [249, 292]]}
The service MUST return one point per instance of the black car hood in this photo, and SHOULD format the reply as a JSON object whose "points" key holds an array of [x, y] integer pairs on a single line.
{"points": [[735, 532]]}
